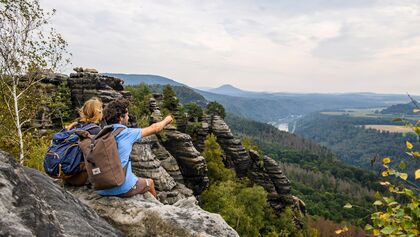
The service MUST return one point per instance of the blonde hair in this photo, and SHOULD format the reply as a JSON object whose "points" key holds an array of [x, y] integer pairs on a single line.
{"points": [[91, 112]]}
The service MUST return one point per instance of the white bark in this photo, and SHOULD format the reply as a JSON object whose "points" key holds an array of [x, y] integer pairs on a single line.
{"points": [[18, 125]]}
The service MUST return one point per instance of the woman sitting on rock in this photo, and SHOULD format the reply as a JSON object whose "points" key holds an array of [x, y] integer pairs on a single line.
{"points": [[90, 115], [116, 113]]}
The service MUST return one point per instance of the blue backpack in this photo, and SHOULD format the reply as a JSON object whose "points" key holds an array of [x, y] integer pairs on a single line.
{"points": [[64, 155]]}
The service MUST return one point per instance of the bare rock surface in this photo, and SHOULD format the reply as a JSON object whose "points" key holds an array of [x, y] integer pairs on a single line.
{"points": [[32, 205], [143, 215]]}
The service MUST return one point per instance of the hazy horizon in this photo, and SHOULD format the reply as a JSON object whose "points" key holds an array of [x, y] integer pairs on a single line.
{"points": [[315, 46], [261, 91]]}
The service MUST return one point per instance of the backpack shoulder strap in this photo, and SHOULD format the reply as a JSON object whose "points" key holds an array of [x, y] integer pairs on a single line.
{"points": [[90, 126], [117, 131], [104, 130]]}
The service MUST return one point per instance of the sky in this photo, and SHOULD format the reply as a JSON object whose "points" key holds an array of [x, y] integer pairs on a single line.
{"points": [[277, 46]]}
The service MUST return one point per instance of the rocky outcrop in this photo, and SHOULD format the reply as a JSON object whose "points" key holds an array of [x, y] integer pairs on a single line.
{"points": [[32, 205], [84, 84], [202, 133], [167, 161], [266, 172], [142, 215], [162, 168], [236, 155], [87, 83], [193, 166]]}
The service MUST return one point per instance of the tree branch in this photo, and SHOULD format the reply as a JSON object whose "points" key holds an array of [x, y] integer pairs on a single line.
{"points": [[26, 121], [413, 101]]}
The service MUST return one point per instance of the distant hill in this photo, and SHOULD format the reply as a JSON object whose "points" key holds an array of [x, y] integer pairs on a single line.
{"points": [[232, 91], [270, 107], [135, 79], [400, 109], [184, 94], [259, 109], [356, 144]]}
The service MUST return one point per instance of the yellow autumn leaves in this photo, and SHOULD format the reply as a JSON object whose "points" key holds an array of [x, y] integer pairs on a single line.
{"points": [[415, 154], [409, 145]]}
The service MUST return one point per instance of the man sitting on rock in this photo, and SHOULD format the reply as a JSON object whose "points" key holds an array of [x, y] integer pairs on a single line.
{"points": [[116, 113]]}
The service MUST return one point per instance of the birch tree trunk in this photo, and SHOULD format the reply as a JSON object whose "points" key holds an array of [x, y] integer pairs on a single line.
{"points": [[18, 125]]}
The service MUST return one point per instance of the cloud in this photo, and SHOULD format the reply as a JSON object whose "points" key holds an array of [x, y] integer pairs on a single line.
{"points": [[371, 33], [308, 45]]}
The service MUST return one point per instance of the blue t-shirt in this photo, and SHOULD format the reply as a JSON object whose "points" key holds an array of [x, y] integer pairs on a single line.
{"points": [[125, 141]]}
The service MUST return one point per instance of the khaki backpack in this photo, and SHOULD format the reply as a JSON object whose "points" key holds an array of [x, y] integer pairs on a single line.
{"points": [[102, 160]]}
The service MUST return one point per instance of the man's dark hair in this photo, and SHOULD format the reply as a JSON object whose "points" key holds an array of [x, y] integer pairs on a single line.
{"points": [[115, 109]]}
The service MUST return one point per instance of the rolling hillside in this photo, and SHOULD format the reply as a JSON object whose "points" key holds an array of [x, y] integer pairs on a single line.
{"points": [[270, 107], [135, 79]]}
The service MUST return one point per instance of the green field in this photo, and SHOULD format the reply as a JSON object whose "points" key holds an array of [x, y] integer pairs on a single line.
{"points": [[369, 113], [389, 128]]}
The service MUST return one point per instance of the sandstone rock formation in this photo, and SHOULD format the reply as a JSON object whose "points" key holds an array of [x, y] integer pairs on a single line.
{"points": [[142, 215], [267, 173], [86, 83], [163, 169], [32, 205], [193, 166], [236, 155]]}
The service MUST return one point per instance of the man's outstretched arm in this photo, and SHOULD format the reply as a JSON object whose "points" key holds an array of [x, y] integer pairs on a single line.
{"points": [[156, 127]]}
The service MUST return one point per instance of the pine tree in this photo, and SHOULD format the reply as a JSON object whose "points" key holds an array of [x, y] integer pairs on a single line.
{"points": [[170, 101]]}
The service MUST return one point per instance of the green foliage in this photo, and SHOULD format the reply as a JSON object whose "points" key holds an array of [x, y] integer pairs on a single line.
{"points": [[216, 169], [282, 226], [242, 204], [321, 180], [139, 106], [399, 213], [184, 94], [262, 132], [249, 145], [346, 136], [37, 147], [29, 48], [401, 109], [60, 104], [325, 194], [242, 207], [170, 101], [214, 108], [192, 129], [8, 133], [194, 112]]}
